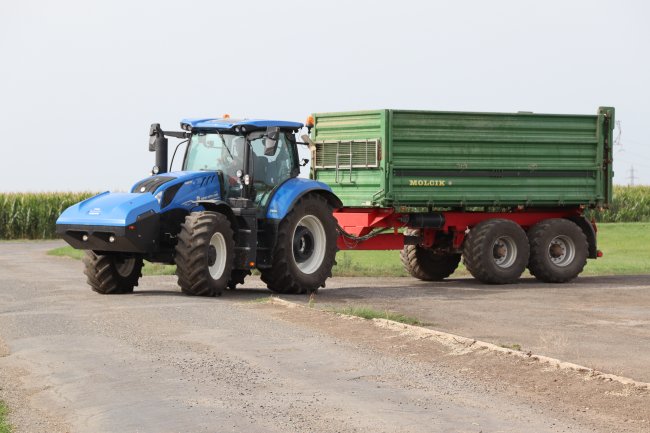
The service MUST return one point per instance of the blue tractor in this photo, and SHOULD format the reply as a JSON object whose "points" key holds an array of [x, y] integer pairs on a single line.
{"points": [[237, 204]]}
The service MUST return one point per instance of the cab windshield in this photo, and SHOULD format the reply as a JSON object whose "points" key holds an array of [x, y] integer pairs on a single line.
{"points": [[212, 152]]}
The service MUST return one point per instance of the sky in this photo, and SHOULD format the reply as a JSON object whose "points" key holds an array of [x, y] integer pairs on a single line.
{"points": [[81, 81]]}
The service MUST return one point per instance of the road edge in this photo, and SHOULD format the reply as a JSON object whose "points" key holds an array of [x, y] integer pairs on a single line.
{"points": [[461, 345]]}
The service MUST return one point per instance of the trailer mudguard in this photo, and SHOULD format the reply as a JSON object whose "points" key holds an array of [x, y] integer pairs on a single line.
{"points": [[290, 191]]}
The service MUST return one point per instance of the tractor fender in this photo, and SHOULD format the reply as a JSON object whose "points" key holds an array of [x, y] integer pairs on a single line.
{"points": [[218, 206], [288, 193]]}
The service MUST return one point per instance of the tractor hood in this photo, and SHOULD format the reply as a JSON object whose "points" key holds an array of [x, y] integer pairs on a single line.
{"points": [[109, 209], [153, 194]]}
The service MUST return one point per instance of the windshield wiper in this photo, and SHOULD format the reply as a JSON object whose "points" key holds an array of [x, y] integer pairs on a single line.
{"points": [[223, 140]]}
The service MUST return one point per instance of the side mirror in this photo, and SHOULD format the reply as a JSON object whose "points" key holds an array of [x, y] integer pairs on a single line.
{"points": [[271, 140], [154, 132], [158, 144]]}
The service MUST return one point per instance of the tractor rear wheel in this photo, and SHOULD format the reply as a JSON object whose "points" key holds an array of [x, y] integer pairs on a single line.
{"points": [[496, 251], [204, 254], [110, 274], [305, 248], [424, 263], [558, 250]]}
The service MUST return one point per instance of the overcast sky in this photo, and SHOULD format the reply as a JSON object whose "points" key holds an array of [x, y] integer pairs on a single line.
{"points": [[81, 81]]}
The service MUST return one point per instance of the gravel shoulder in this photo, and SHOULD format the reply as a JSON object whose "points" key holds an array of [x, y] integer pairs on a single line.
{"points": [[158, 361]]}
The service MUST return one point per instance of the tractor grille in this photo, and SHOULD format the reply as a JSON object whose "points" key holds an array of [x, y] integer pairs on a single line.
{"points": [[151, 184]]}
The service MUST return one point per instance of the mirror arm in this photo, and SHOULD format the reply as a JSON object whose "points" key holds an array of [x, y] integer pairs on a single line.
{"points": [[177, 134]]}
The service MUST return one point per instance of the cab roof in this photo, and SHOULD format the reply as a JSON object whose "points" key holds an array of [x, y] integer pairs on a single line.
{"points": [[228, 123]]}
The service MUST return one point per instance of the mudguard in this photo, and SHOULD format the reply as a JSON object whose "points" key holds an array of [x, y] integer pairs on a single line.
{"points": [[288, 194]]}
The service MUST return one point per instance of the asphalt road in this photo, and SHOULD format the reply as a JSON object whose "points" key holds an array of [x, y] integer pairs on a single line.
{"points": [[158, 361]]}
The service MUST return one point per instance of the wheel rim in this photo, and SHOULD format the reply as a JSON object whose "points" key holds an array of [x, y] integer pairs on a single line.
{"points": [[504, 251], [217, 256], [309, 244], [124, 266], [561, 250]]}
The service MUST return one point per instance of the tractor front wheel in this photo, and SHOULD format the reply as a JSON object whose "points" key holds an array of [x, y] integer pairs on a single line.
{"points": [[110, 274], [305, 248], [204, 254]]}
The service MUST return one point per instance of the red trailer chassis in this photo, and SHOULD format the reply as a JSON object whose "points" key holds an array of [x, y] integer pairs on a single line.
{"points": [[363, 222]]}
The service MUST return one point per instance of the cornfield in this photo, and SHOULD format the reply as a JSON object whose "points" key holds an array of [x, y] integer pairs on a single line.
{"points": [[33, 215], [630, 204]]}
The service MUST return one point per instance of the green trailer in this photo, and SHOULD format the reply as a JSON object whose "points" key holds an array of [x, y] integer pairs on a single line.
{"points": [[438, 159], [506, 191]]}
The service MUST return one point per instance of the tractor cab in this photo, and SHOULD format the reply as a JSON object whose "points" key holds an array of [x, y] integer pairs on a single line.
{"points": [[252, 157]]}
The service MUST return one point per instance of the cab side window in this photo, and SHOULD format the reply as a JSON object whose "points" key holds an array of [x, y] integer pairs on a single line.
{"points": [[270, 171]]}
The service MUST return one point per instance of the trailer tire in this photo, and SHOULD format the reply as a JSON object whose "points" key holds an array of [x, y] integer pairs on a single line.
{"points": [[496, 251], [204, 254], [424, 264], [305, 248], [558, 250], [237, 276], [110, 274]]}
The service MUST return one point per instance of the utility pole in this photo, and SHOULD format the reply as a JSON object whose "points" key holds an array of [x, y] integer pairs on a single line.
{"points": [[631, 177]]}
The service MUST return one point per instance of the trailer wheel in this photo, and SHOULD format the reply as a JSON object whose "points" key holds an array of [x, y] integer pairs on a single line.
{"points": [[110, 274], [424, 264], [204, 254], [305, 248], [558, 250], [496, 251], [237, 277]]}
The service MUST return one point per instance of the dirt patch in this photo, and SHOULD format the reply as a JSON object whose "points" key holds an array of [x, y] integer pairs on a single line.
{"points": [[573, 395], [22, 415]]}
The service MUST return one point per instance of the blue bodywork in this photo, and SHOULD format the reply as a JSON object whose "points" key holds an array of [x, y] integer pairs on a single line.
{"points": [[288, 194]]}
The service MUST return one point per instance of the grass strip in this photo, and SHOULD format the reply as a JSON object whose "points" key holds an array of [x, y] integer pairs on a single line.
{"points": [[370, 313], [625, 246], [4, 424]]}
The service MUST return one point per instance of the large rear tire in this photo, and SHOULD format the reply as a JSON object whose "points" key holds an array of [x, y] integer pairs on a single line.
{"points": [[204, 254], [424, 263], [305, 248], [110, 274], [558, 250], [496, 251]]}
